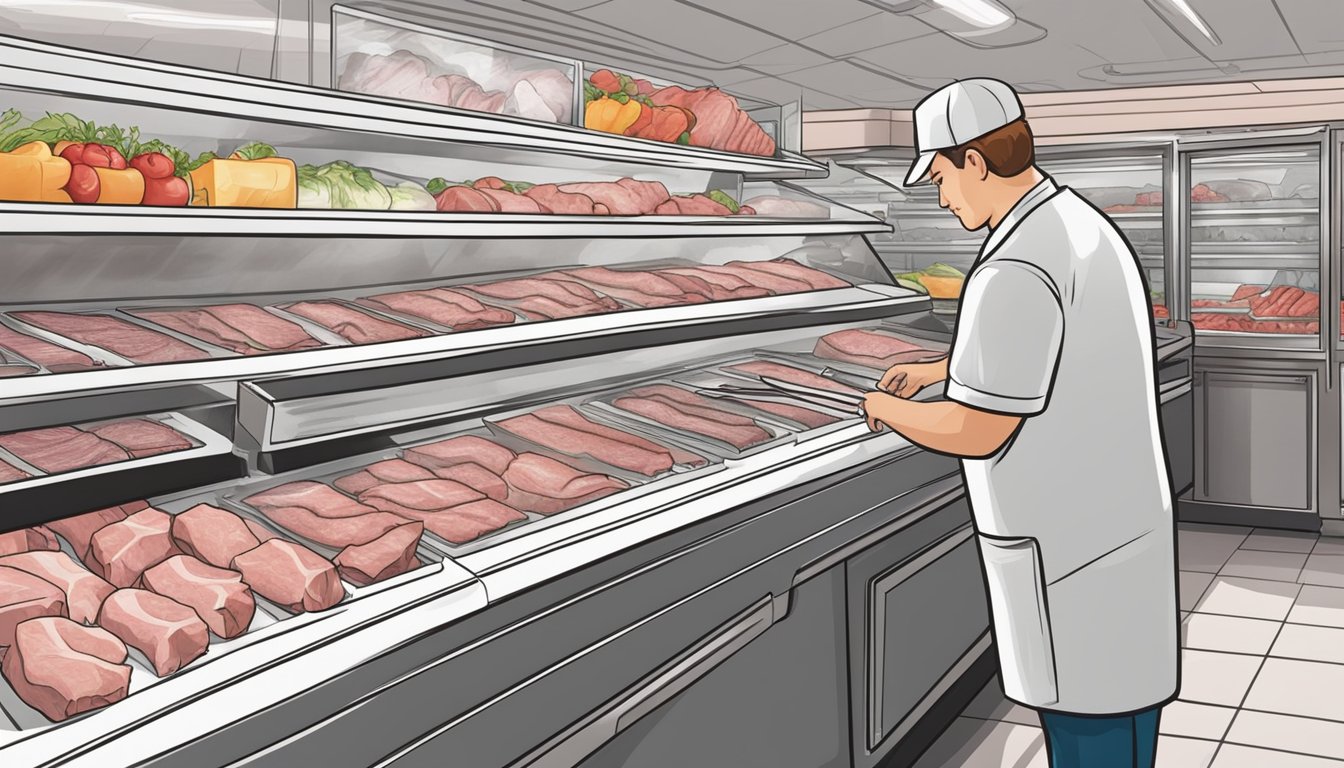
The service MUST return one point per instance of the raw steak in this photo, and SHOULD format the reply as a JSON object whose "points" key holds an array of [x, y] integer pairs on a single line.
{"points": [[723, 285], [389, 555], [291, 576], [776, 284], [54, 358], [167, 632], [719, 122], [692, 205], [466, 449], [642, 289], [137, 344], [24, 596], [546, 308], [243, 328], [573, 442], [791, 269], [469, 521], [122, 551], [62, 449], [10, 473], [307, 496], [262, 533], [477, 478], [665, 413], [565, 415], [568, 203], [463, 199], [62, 669], [693, 404], [143, 437], [551, 285], [84, 592], [806, 416], [626, 197], [512, 202], [390, 471], [79, 530], [212, 534], [335, 532], [759, 368], [545, 486], [217, 595], [351, 324], [452, 309], [37, 539], [420, 496], [874, 350]]}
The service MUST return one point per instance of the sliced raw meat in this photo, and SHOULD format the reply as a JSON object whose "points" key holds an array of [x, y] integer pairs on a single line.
{"points": [[464, 199], [243, 328], [808, 417], [546, 486], [389, 555], [167, 632], [294, 577], [335, 532], [53, 357], [11, 474], [695, 405], [13, 370], [420, 496], [137, 344], [719, 122], [451, 309], [468, 522], [565, 415], [1247, 291], [778, 207], [567, 203], [62, 669], [37, 539], [626, 197], [62, 449], [723, 285], [759, 368], [390, 471], [79, 530], [551, 285], [465, 449], [692, 205], [777, 284], [477, 478], [351, 324], [642, 289], [871, 349], [791, 269], [218, 596], [122, 551], [24, 596], [1307, 306], [512, 202], [84, 592], [262, 533], [573, 442], [546, 308], [305, 495], [649, 194], [143, 437], [212, 534], [663, 412]]}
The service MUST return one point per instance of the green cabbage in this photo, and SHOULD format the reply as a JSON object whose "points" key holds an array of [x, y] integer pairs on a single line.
{"points": [[409, 196], [340, 185]]}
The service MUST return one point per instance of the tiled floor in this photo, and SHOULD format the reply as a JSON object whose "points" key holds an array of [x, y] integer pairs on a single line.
{"points": [[1262, 683]]}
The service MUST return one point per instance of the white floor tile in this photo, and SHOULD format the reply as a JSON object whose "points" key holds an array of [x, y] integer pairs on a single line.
{"points": [[1298, 641], [1254, 564], [1270, 540], [1329, 545], [1251, 598], [1207, 547], [1323, 570], [991, 705], [1193, 585], [972, 743], [1323, 606], [1235, 756], [1210, 632], [1217, 678], [1290, 734], [1200, 721], [1175, 752], [1306, 688]]}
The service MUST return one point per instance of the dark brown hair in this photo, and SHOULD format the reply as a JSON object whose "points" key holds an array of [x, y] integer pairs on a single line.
{"points": [[1008, 151]]}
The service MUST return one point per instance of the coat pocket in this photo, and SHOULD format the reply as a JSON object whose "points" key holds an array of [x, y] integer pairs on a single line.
{"points": [[1016, 587]]}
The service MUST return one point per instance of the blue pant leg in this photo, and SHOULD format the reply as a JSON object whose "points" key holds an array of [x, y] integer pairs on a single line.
{"points": [[1145, 737], [1077, 741]]}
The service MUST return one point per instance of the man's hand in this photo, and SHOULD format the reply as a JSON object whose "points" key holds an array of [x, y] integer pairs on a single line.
{"points": [[908, 379], [875, 406]]}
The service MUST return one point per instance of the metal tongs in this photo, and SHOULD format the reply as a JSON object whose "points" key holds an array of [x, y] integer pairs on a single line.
{"points": [[776, 390]]}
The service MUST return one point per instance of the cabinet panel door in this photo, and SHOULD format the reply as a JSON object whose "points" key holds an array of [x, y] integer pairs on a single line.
{"points": [[1178, 431], [1257, 435]]}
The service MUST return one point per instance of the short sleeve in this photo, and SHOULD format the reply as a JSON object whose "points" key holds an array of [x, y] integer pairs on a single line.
{"points": [[1008, 340]]}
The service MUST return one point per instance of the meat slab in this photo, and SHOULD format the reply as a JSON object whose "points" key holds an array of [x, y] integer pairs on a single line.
{"points": [[464, 449], [24, 596], [545, 486], [679, 409], [560, 202], [53, 357], [291, 576], [774, 283], [78, 530], [122, 551], [722, 286], [217, 595], [351, 324], [808, 417], [167, 632], [63, 669], [62, 449], [871, 349], [213, 535], [720, 123], [308, 496], [451, 309], [390, 471], [626, 197], [137, 344], [11, 474], [788, 268], [467, 522], [84, 592], [759, 368], [420, 496], [143, 437], [477, 478], [36, 539], [548, 297], [567, 416], [648, 461], [639, 288], [322, 514], [243, 328], [389, 555]]}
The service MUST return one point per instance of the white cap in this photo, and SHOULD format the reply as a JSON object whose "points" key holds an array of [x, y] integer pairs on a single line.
{"points": [[958, 113]]}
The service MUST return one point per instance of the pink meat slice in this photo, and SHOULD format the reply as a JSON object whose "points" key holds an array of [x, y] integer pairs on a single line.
{"points": [[546, 308], [390, 471], [24, 596], [626, 197], [167, 632], [353, 325], [776, 284], [451, 309], [79, 530], [808, 417], [759, 368], [545, 486], [212, 534], [650, 194], [639, 287], [36, 539], [871, 349], [11, 474], [462, 199], [143, 437], [512, 202], [550, 285], [122, 551], [568, 203], [389, 555], [723, 285], [573, 442], [243, 328], [314, 498], [419, 496], [791, 269], [62, 669], [17, 369], [468, 522], [465, 449], [84, 592], [720, 123], [567, 416], [291, 576], [262, 533], [335, 532], [217, 595], [53, 357], [692, 205], [477, 478], [667, 414], [693, 404], [62, 449], [139, 345]]}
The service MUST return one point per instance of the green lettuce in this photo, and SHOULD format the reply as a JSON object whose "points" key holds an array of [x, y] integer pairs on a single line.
{"points": [[340, 185]]}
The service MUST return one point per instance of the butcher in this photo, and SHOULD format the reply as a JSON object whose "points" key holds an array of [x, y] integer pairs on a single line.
{"points": [[1051, 405]]}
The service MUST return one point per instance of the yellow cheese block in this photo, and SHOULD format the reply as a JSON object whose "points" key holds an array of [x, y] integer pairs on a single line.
{"points": [[272, 182], [124, 187], [31, 174]]}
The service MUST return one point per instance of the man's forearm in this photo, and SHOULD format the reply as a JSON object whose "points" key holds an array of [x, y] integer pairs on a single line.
{"points": [[943, 426]]}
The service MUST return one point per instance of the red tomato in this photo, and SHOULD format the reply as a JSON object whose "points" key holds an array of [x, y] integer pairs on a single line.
{"points": [[173, 191], [74, 153], [118, 160], [84, 186], [153, 165], [97, 156]]}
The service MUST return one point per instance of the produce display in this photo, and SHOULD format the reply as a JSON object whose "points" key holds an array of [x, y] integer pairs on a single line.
{"points": [[939, 281]]}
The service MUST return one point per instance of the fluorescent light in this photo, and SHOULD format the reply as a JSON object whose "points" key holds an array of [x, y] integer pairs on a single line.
{"points": [[1183, 7], [985, 14]]}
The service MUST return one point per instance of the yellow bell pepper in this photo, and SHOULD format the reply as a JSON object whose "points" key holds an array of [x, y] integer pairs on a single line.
{"points": [[609, 115]]}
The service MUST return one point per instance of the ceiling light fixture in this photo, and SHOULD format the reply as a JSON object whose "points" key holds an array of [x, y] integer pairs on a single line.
{"points": [[1188, 14], [985, 14]]}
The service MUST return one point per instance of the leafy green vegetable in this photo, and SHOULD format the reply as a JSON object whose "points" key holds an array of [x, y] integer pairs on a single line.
{"points": [[684, 139], [621, 97], [340, 185], [409, 196], [942, 270], [52, 129], [519, 187], [723, 198], [913, 285], [255, 151], [437, 185]]}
